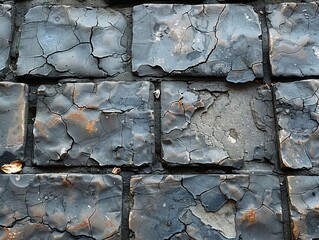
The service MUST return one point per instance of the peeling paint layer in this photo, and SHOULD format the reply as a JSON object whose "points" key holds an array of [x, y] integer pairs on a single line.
{"points": [[206, 207], [303, 193], [13, 118], [61, 40], [297, 118], [293, 39], [204, 40], [107, 123], [60, 206], [5, 35], [216, 123]]}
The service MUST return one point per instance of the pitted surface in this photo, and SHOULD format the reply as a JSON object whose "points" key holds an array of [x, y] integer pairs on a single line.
{"points": [[6, 27], [13, 118], [206, 207], [205, 40], [304, 202], [297, 117], [69, 41], [107, 123], [60, 206], [216, 123], [294, 39]]}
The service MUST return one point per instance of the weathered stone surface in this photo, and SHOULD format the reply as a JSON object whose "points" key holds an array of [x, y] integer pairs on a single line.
{"points": [[206, 207], [303, 199], [297, 118], [204, 40], [5, 35], [66, 41], [294, 39], [216, 123], [107, 123], [13, 118], [60, 206]]}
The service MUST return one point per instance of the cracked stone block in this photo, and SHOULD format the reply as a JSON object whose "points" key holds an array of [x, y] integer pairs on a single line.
{"points": [[204, 40], [293, 39], [67, 41], [216, 123], [13, 118], [297, 118], [107, 123], [206, 207], [303, 193], [5, 35], [60, 206]]}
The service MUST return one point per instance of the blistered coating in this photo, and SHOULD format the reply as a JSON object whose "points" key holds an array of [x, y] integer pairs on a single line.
{"points": [[107, 123], [216, 123], [297, 118], [6, 27], [60, 206], [69, 41], [13, 118], [206, 207], [203, 40], [293, 39]]}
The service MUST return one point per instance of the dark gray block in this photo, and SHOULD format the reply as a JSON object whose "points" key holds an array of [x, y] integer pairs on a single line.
{"points": [[297, 118], [6, 27], [107, 123], [294, 39], [206, 207], [303, 192], [203, 40], [13, 118], [60, 206], [67, 41], [216, 123]]}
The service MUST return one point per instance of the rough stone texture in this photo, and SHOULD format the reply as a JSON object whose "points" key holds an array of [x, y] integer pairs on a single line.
{"points": [[13, 118], [60, 206], [294, 39], [66, 41], [205, 40], [216, 123], [304, 202], [206, 207], [297, 117], [5, 35], [107, 123]]}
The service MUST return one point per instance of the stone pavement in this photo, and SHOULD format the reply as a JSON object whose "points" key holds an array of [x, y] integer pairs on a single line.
{"points": [[159, 121]]}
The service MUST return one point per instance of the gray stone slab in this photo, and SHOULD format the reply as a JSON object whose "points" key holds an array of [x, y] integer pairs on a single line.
{"points": [[6, 27], [294, 39], [203, 40], [60, 206], [206, 207], [303, 192], [67, 41], [107, 123], [216, 124], [13, 118], [297, 118]]}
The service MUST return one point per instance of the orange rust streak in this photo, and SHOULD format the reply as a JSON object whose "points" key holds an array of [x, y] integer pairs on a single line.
{"points": [[250, 216]]}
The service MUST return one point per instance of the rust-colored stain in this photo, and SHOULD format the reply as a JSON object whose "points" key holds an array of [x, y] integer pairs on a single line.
{"points": [[250, 216], [79, 117], [39, 126], [80, 226], [295, 230]]}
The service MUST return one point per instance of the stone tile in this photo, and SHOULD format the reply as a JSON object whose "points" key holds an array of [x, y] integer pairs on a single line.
{"points": [[13, 118], [303, 192], [294, 39], [216, 123], [60, 206], [69, 41], [203, 40], [107, 123], [297, 117], [5, 35], [206, 207]]}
